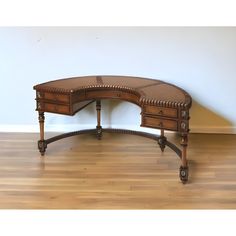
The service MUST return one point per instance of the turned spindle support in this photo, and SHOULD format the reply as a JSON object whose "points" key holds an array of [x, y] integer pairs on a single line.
{"points": [[42, 145], [98, 127], [183, 171]]}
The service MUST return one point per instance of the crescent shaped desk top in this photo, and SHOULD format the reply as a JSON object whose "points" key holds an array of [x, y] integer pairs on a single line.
{"points": [[163, 105], [148, 91]]}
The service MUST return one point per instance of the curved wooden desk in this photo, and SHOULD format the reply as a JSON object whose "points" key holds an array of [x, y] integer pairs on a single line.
{"points": [[164, 106]]}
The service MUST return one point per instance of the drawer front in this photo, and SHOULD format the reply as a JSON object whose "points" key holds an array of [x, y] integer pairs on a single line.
{"points": [[57, 97], [63, 109], [102, 94], [78, 97], [159, 123], [161, 111]]}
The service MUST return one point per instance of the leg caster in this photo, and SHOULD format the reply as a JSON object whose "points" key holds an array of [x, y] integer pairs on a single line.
{"points": [[183, 174], [42, 145]]}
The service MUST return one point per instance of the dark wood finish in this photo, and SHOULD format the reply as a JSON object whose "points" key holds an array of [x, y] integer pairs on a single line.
{"points": [[163, 106]]}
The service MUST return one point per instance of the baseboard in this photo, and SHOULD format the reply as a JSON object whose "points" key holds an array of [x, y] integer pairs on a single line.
{"points": [[19, 128], [48, 128], [73, 127], [68, 128]]}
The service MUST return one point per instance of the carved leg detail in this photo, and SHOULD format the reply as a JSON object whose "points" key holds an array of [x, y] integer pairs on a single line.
{"points": [[183, 172], [42, 145], [162, 141], [98, 127]]}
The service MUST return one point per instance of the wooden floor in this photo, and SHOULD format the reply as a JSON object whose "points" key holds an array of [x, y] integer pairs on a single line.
{"points": [[117, 172]]}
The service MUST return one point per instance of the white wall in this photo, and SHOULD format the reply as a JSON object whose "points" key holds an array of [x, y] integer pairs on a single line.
{"points": [[200, 60]]}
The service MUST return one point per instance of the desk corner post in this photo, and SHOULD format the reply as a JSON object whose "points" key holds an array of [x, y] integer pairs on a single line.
{"points": [[183, 171], [42, 145], [98, 127]]}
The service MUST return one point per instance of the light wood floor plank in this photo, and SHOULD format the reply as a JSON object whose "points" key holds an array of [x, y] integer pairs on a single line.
{"points": [[117, 172]]}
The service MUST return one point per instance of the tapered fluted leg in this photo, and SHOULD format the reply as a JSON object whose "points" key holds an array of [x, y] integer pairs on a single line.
{"points": [[99, 127], [42, 145], [183, 172]]}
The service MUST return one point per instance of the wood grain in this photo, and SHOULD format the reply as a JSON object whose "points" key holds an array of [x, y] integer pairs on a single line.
{"points": [[117, 172]]}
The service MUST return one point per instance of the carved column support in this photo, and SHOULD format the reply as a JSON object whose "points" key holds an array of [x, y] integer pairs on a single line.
{"points": [[162, 141], [98, 127], [183, 172], [42, 145]]}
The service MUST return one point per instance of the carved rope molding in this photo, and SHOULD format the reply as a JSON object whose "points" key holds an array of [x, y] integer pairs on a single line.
{"points": [[143, 100]]}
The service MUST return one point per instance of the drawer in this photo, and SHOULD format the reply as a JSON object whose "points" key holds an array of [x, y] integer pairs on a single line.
{"points": [[159, 123], [117, 94], [161, 111], [57, 97], [63, 109]]}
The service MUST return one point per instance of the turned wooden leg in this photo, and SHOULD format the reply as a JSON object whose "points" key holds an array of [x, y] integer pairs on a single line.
{"points": [[162, 141], [42, 145], [183, 171], [99, 127]]}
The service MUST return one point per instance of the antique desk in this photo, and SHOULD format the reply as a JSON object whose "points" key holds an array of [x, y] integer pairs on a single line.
{"points": [[163, 106]]}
